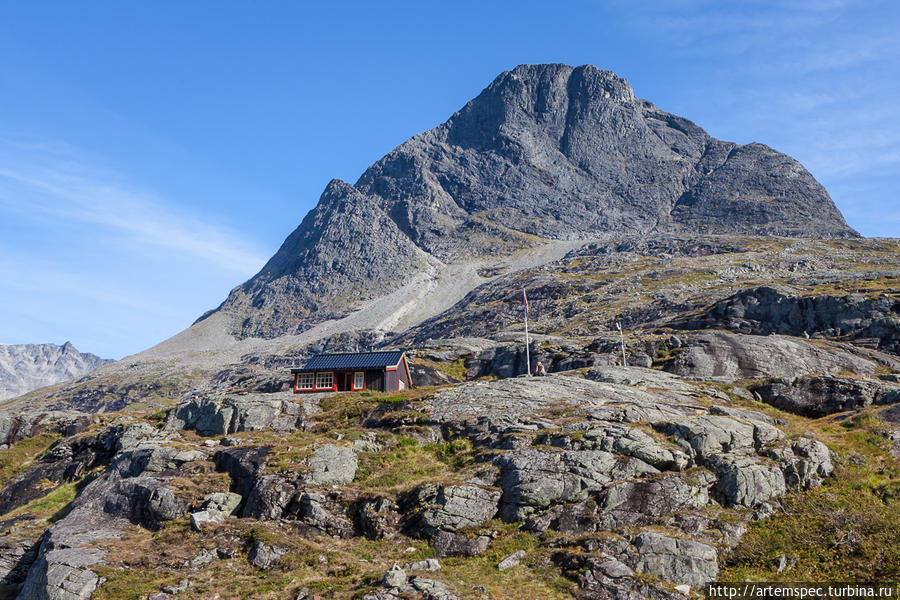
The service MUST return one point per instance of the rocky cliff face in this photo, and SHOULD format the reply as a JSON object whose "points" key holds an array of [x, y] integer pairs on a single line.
{"points": [[544, 152], [26, 367]]}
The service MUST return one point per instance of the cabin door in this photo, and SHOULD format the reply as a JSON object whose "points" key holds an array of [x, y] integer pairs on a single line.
{"points": [[348, 381]]}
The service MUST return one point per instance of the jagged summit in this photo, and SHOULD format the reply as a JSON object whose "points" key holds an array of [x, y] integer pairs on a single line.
{"points": [[549, 152]]}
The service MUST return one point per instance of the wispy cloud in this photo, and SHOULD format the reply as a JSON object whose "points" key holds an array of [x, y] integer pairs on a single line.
{"points": [[803, 37], [813, 78], [30, 276], [88, 256], [43, 182], [816, 77]]}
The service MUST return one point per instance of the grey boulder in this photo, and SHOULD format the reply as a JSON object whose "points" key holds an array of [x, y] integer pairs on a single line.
{"points": [[331, 464], [452, 507], [804, 462], [534, 479], [265, 556], [456, 544], [738, 356], [631, 503], [817, 396], [675, 559], [745, 480]]}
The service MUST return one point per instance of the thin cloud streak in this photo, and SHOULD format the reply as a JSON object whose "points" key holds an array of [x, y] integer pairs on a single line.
{"points": [[89, 257], [814, 71], [30, 276], [73, 192], [734, 30]]}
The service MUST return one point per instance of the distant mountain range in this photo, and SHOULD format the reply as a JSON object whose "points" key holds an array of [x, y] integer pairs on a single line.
{"points": [[545, 152], [26, 367]]}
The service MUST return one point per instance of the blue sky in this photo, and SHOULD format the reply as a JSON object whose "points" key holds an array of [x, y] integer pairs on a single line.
{"points": [[153, 155]]}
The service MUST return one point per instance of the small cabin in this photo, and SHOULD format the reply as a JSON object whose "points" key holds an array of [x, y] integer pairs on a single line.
{"points": [[353, 371]]}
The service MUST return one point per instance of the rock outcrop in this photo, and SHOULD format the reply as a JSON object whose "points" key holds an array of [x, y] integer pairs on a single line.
{"points": [[628, 472], [132, 488], [602, 470], [221, 415], [738, 356], [766, 309], [817, 396], [453, 507]]}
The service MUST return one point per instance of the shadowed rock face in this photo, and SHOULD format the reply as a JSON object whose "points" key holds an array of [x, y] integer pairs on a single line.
{"points": [[764, 310], [817, 396], [552, 151]]}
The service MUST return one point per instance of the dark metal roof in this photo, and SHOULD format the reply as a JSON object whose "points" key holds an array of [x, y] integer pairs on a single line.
{"points": [[352, 360]]}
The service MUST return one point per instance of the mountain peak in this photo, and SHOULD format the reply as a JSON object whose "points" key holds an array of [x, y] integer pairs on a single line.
{"points": [[544, 152], [592, 82], [25, 367], [534, 95]]}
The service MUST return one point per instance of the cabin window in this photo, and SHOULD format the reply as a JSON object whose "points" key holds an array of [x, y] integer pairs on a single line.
{"points": [[359, 380], [305, 381], [401, 385], [324, 380]]}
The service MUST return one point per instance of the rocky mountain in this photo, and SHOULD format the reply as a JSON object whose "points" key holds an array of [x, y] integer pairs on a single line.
{"points": [[745, 425], [26, 367], [545, 152]]}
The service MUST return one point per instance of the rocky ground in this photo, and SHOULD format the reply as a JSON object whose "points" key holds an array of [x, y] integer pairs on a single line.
{"points": [[596, 482], [754, 435]]}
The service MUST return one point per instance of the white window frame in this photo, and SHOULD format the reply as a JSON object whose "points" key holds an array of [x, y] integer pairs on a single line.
{"points": [[401, 385], [310, 382], [320, 378], [359, 380]]}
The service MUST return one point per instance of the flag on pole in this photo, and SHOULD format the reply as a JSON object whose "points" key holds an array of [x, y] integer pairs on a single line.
{"points": [[527, 341]]}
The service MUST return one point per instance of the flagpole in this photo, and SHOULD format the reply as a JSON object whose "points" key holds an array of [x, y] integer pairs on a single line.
{"points": [[527, 344]]}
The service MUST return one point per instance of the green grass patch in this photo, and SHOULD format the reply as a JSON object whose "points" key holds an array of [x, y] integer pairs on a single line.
{"points": [[19, 456], [345, 410], [157, 418], [33, 518], [130, 584], [142, 562], [456, 454], [54, 505], [408, 463], [535, 577], [872, 287], [846, 530], [456, 369], [665, 354]]}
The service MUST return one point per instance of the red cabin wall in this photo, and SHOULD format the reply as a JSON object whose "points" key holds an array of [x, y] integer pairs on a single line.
{"points": [[403, 370], [375, 381], [394, 375], [390, 378]]}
